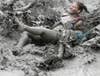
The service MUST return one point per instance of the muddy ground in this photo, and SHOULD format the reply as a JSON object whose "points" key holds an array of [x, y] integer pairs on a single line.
{"points": [[85, 63]]}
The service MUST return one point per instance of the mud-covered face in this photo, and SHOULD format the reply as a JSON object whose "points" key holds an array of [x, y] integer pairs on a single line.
{"points": [[74, 8]]}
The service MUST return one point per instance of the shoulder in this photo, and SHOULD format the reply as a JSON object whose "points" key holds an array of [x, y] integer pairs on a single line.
{"points": [[64, 14]]}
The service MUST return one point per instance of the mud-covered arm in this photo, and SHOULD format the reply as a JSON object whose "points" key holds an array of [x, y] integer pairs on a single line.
{"points": [[56, 24], [25, 8], [79, 25]]}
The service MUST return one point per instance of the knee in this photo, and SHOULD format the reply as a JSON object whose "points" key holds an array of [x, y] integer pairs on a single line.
{"points": [[25, 34]]}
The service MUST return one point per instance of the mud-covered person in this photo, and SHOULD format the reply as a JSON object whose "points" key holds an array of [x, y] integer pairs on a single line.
{"points": [[71, 17]]}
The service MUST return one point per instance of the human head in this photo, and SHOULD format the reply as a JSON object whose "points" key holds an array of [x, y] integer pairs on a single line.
{"points": [[77, 7]]}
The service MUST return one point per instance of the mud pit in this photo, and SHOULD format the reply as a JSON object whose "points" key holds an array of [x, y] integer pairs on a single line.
{"points": [[86, 62]]}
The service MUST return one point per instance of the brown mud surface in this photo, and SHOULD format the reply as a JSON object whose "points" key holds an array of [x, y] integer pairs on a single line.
{"points": [[84, 64]]}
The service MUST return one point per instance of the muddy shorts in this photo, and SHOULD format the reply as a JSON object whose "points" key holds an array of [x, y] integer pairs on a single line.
{"points": [[71, 36], [68, 35]]}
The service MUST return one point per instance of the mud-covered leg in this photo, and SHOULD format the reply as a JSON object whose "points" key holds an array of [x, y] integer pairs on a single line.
{"points": [[23, 40], [46, 34], [60, 50]]}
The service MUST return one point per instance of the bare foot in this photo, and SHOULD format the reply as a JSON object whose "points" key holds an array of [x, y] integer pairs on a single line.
{"points": [[20, 23]]}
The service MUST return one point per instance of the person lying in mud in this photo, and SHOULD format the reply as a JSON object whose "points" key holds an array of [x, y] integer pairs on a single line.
{"points": [[70, 26]]}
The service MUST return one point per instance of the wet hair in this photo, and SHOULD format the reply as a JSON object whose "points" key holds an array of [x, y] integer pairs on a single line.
{"points": [[82, 7]]}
